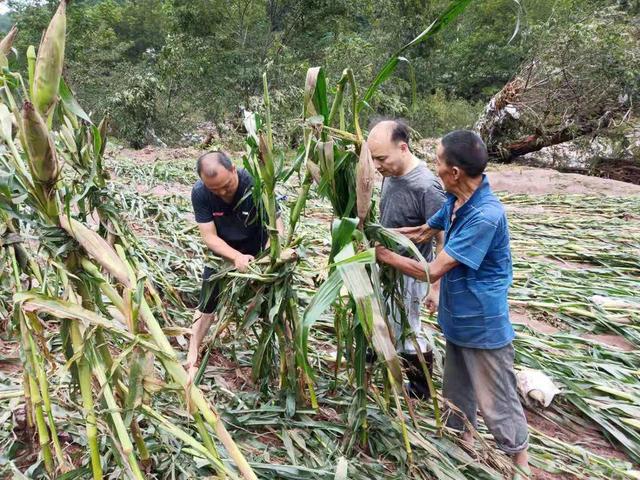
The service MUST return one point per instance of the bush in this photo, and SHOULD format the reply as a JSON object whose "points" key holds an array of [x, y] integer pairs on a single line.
{"points": [[134, 109], [434, 115]]}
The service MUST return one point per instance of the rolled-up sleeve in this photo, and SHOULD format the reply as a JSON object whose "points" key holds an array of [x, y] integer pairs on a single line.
{"points": [[470, 244], [437, 220]]}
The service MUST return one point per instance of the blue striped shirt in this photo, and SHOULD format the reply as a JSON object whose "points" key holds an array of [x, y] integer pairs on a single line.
{"points": [[473, 310]]}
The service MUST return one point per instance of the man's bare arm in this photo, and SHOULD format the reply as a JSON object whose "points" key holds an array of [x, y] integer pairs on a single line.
{"points": [[419, 234], [433, 297], [439, 237], [221, 248], [441, 265]]}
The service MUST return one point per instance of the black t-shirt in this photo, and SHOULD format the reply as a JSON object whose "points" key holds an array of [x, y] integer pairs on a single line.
{"points": [[236, 222]]}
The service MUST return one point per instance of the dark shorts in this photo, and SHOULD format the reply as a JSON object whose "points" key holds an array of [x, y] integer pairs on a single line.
{"points": [[209, 293]]}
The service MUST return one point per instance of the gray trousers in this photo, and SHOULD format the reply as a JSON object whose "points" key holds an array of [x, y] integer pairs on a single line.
{"points": [[482, 378], [414, 292]]}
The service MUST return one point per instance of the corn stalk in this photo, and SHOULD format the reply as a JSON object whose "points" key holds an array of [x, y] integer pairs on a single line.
{"points": [[80, 268]]}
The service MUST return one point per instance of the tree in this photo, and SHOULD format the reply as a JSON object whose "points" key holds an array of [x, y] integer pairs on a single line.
{"points": [[582, 81]]}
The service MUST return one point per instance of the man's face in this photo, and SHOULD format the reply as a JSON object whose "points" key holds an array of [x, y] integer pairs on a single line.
{"points": [[388, 156], [224, 184], [448, 175]]}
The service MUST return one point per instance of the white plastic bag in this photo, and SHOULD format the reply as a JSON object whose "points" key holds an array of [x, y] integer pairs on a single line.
{"points": [[536, 385]]}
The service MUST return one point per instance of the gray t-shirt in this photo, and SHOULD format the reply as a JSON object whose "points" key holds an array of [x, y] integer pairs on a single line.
{"points": [[411, 200]]}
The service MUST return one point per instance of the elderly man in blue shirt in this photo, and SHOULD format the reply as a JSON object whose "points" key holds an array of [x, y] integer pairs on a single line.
{"points": [[476, 272]]}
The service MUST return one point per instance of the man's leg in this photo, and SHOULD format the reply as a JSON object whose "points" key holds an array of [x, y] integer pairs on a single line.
{"points": [[457, 388], [494, 382], [209, 294], [198, 331]]}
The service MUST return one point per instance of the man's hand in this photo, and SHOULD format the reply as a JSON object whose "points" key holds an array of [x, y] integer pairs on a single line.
{"points": [[241, 262], [383, 254], [432, 299], [419, 234]]}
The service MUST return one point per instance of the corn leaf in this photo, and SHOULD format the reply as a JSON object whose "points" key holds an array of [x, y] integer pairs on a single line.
{"points": [[455, 8], [315, 94], [71, 104]]}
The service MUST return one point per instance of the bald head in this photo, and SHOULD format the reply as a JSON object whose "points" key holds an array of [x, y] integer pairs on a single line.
{"points": [[210, 163], [395, 131], [388, 142], [218, 174]]}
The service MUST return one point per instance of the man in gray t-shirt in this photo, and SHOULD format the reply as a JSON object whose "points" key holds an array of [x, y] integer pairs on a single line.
{"points": [[411, 194]]}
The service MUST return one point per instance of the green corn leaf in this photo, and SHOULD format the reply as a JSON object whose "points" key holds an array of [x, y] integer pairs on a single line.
{"points": [[134, 396], [392, 239], [315, 95], [359, 285], [455, 8], [71, 104]]}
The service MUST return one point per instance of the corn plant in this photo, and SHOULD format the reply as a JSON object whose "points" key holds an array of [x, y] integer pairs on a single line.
{"points": [[342, 167], [80, 291], [338, 160]]}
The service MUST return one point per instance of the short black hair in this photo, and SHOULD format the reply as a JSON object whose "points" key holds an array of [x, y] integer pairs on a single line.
{"points": [[401, 131], [220, 157], [466, 150]]}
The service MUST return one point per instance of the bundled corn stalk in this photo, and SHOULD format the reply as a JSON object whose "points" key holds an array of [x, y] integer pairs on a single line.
{"points": [[78, 291], [268, 289], [338, 160]]}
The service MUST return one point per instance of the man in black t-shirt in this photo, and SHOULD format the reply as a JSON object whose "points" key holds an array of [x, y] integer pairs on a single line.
{"points": [[229, 225]]}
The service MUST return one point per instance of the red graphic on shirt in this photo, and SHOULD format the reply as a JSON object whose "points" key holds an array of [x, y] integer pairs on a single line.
{"points": [[218, 214]]}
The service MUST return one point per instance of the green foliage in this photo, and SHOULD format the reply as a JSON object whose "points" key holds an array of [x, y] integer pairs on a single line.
{"points": [[584, 82], [134, 108], [437, 114], [208, 55]]}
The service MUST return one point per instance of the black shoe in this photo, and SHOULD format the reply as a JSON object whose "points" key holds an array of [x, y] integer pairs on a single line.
{"points": [[370, 355], [419, 391], [418, 384]]}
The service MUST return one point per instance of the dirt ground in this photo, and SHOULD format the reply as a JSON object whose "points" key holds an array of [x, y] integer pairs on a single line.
{"points": [[510, 178], [542, 181], [503, 178], [519, 316]]}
